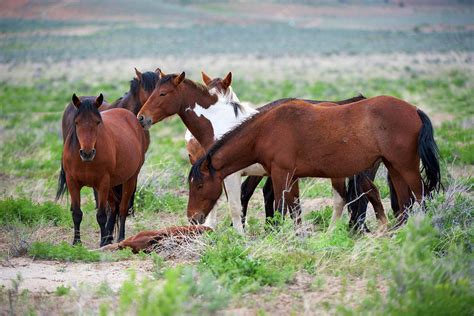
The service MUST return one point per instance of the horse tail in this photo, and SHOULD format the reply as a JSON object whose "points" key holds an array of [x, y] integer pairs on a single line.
{"points": [[62, 185], [357, 203], [429, 154]]}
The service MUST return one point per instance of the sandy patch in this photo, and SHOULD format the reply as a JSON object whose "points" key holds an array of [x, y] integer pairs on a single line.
{"points": [[46, 276]]}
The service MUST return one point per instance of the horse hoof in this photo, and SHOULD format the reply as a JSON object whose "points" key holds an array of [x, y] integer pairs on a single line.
{"points": [[76, 242]]}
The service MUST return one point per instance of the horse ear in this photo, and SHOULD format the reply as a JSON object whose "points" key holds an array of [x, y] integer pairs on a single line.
{"points": [[99, 100], [139, 74], [227, 80], [205, 78], [160, 73], [179, 79], [76, 101]]}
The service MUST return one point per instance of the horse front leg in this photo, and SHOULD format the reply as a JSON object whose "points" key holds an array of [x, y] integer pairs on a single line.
{"points": [[101, 215], [232, 186], [283, 190], [75, 193]]}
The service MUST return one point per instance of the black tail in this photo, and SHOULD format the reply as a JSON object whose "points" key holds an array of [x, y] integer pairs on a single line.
{"points": [[429, 154], [62, 185]]}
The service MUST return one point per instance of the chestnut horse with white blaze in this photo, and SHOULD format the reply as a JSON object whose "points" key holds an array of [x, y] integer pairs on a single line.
{"points": [[298, 139], [102, 150]]}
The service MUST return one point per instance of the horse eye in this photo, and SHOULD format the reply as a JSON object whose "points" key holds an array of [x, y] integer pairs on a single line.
{"points": [[200, 186], [98, 122], [162, 94]]}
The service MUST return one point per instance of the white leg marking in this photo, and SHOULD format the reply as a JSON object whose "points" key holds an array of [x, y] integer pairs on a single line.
{"points": [[337, 208], [232, 185], [211, 219]]}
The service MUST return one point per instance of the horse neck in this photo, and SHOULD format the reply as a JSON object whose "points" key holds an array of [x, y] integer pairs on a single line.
{"points": [[236, 154], [199, 126], [128, 102]]}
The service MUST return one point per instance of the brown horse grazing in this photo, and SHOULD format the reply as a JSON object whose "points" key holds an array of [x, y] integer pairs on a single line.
{"points": [[357, 184], [141, 88], [298, 140], [104, 151]]}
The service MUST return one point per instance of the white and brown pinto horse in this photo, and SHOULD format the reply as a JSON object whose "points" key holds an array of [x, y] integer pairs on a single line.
{"points": [[298, 139]]}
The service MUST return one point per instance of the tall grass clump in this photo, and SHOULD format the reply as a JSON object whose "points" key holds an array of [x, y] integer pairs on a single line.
{"points": [[230, 258], [180, 291], [429, 267], [23, 210]]}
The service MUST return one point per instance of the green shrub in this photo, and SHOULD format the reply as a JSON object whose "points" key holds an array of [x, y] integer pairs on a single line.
{"points": [[182, 291], [230, 260], [321, 217], [62, 252], [25, 211], [62, 290], [428, 267]]}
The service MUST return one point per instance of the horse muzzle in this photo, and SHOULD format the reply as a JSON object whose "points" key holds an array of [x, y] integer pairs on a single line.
{"points": [[144, 121], [197, 219], [87, 155]]}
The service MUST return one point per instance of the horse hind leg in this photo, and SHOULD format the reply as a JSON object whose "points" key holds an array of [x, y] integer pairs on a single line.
{"points": [[373, 195], [403, 192], [127, 190]]}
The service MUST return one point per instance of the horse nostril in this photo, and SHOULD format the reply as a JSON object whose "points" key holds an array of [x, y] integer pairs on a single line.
{"points": [[141, 118], [93, 151], [81, 152]]}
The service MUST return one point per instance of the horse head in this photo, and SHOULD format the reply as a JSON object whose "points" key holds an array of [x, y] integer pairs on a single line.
{"points": [[87, 121], [164, 101], [205, 188]]}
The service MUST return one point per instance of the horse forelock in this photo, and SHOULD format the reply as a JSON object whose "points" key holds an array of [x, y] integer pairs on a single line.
{"points": [[195, 173], [87, 105]]}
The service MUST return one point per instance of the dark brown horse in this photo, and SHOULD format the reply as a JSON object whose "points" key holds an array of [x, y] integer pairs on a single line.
{"points": [[297, 139], [105, 151], [141, 88]]}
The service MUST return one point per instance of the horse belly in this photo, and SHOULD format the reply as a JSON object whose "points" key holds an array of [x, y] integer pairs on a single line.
{"points": [[254, 170]]}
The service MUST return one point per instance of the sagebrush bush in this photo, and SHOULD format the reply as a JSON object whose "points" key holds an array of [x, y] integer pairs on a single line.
{"points": [[230, 259], [428, 267], [23, 210], [181, 291]]}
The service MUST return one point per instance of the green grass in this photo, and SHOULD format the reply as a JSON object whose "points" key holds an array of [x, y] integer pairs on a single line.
{"points": [[181, 291], [65, 252], [23, 210], [229, 259]]}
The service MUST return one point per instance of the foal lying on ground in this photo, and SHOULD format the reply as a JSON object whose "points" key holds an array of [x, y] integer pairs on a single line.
{"points": [[301, 140]]}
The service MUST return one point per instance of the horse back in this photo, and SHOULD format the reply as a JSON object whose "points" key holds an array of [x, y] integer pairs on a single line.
{"points": [[125, 130]]}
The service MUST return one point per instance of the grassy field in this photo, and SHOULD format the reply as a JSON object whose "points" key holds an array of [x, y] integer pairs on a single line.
{"points": [[422, 54]]}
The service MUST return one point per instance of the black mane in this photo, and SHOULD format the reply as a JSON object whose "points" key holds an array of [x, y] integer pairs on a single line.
{"points": [[196, 168], [148, 82]]}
